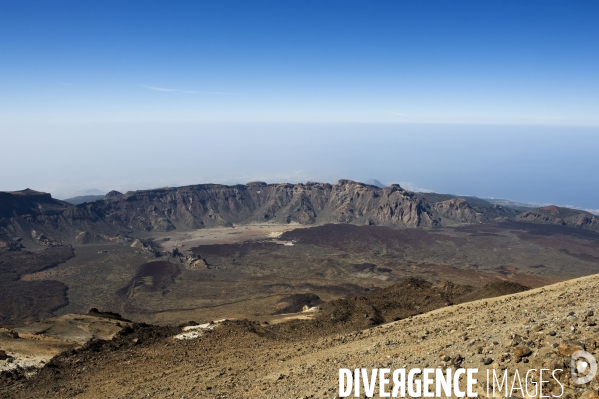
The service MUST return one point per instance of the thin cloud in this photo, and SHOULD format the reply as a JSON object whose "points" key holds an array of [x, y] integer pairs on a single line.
{"points": [[169, 90], [412, 187], [155, 88]]}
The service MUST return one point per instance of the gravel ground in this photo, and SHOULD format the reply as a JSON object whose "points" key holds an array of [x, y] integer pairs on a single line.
{"points": [[242, 359]]}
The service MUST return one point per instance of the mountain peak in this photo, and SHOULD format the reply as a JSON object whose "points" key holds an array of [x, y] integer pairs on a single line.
{"points": [[375, 182]]}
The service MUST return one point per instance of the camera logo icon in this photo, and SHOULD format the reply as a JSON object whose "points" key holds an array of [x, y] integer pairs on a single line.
{"points": [[582, 362]]}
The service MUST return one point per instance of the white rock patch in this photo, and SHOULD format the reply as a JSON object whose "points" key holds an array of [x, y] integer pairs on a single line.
{"points": [[193, 332]]}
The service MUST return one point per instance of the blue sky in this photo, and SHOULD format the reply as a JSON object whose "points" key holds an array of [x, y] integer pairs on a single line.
{"points": [[75, 74]]}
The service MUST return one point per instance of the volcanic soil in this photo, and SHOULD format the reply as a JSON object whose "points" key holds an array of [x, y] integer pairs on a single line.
{"points": [[301, 359]]}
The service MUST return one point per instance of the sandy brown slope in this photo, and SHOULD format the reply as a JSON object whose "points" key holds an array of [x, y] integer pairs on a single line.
{"points": [[30, 345], [249, 360]]}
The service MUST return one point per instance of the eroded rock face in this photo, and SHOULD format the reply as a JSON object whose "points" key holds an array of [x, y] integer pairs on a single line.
{"points": [[561, 217], [44, 240], [217, 205], [212, 205], [458, 209]]}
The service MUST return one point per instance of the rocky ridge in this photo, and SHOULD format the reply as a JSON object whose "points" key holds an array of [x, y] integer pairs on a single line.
{"points": [[561, 217], [212, 205]]}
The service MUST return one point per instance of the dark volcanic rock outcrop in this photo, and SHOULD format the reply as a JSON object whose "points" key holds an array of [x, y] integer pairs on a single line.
{"points": [[399, 301], [560, 216], [28, 203], [22, 212]]}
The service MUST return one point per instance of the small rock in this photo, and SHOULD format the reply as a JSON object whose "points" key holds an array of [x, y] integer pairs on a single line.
{"points": [[567, 348], [457, 360], [522, 351]]}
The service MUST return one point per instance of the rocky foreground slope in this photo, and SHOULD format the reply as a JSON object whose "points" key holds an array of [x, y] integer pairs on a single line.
{"points": [[512, 334], [209, 205]]}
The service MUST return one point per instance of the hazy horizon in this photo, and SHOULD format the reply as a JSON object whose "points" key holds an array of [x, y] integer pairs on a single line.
{"points": [[493, 99], [527, 164]]}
